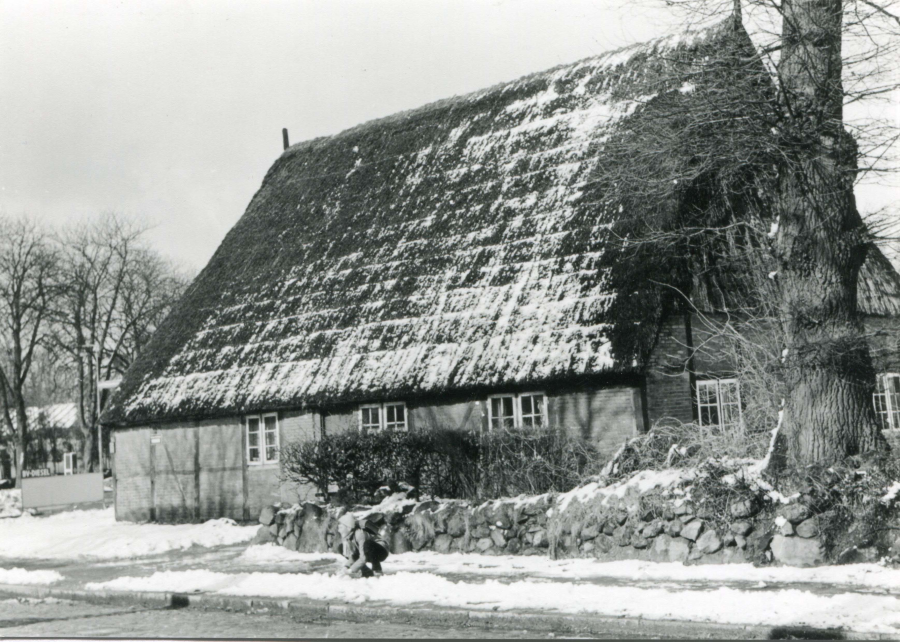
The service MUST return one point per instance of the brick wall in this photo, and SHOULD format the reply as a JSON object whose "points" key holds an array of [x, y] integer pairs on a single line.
{"points": [[605, 417], [668, 379]]}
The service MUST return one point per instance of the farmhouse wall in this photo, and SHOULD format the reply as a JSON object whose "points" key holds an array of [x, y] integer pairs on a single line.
{"points": [[221, 468], [131, 464], [194, 471], [605, 417], [173, 462], [459, 415], [263, 484], [668, 379], [340, 421]]}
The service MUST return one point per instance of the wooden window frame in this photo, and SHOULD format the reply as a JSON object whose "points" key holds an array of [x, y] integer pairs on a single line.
{"points": [[382, 416], [261, 444], [517, 407], [703, 383], [882, 390], [394, 425]]}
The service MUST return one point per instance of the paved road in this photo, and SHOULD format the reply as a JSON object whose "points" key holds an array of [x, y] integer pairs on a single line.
{"points": [[39, 618], [54, 618]]}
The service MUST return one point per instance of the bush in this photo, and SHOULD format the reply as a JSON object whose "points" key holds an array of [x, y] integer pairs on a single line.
{"points": [[440, 463], [674, 444], [535, 461]]}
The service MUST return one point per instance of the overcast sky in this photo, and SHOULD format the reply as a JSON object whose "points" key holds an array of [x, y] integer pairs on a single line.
{"points": [[171, 111]]}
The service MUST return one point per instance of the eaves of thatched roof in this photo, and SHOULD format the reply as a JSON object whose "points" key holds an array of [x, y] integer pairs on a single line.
{"points": [[442, 249]]}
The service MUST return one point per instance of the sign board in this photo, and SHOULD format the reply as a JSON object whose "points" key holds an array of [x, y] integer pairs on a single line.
{"points": [[36, 472], [59, 491]]}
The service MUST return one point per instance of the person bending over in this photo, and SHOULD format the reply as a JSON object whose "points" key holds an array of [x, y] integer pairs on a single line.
{"points": [[361, 546]]}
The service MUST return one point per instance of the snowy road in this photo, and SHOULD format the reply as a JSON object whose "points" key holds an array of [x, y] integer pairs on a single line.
{"points": [[213, 558], [44, 619]]}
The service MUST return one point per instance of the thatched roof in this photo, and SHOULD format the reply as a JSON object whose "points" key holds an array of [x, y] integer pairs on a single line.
{"points": [[445, 248]]}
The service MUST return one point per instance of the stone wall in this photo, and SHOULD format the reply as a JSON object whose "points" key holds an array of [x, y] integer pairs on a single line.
{"points": [[607, 527]]}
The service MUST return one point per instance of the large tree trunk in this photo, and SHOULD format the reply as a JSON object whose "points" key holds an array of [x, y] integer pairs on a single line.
{"points": [[821, 245], [87, 450], [21, 418]]}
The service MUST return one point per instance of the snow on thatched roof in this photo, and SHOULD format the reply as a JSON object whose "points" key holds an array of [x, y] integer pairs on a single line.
{"points": [[445, 248]]}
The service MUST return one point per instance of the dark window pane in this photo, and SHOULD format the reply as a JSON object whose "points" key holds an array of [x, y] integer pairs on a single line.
{"points": [[527, 406]]}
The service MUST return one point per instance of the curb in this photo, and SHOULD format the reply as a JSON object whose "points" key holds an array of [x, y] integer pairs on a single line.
{"points": [[318, 612]]}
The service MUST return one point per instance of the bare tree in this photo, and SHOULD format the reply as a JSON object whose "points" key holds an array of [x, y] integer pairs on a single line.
{"points": [[116, 291], [28, 282], [765, 168]]}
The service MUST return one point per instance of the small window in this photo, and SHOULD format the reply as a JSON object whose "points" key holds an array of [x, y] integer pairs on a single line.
{"points": [[394, 416], [532, 410], [385, 416], [527, 410], [503, 412], [887, 401], [370, 418], [262, 439], [719, 402]]}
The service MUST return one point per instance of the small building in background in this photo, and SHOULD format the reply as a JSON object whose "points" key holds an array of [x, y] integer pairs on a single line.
{"points": [[54, 439]]}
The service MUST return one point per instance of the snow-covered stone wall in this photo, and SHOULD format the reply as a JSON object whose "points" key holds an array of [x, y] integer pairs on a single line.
{"points": [[634, 519]]}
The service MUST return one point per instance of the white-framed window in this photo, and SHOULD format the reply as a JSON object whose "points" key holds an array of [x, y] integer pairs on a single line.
{"points": [[370, 418], [382, 416], [719, 402], [887, 400], [527, 410], [394, 416], [262, 439]]}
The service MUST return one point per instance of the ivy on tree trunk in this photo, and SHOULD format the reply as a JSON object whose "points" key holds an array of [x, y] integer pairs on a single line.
{"points": [[820, 245]]}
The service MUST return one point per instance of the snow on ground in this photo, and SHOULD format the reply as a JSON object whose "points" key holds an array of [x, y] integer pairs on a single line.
{"points": [[850, 575], [181, 581], [96, 534], [789, 607], [22, 576], [10, 502], [263, 554]]}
